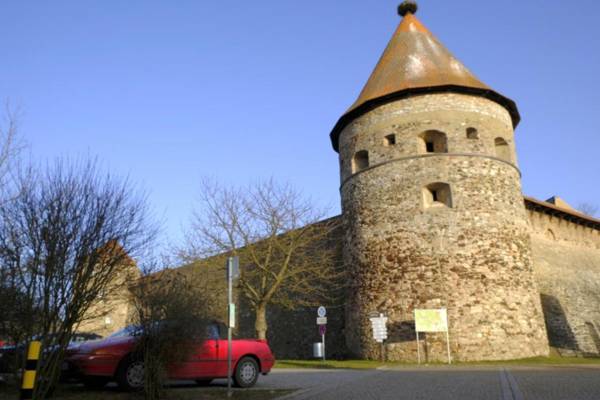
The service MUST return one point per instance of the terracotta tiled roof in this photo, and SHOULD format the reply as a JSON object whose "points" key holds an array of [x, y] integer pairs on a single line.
{"points": [[415, 62], [564, 213]]}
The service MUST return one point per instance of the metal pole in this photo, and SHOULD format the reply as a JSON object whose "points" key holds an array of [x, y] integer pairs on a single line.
{"points": [[448, 346], [229, 301], [418, 349], [323, 341]]}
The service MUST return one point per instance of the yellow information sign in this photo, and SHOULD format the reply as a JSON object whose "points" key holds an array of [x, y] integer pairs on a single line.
{"points": [[431, 320]]}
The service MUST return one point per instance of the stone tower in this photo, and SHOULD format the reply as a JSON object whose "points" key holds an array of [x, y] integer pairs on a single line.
{"points": [[433, 210]]}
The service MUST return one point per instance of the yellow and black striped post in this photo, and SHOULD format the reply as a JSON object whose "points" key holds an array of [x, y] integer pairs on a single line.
{"points": [[33, 356]]}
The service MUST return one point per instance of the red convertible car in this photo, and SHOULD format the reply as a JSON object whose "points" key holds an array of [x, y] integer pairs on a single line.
{"points": [[112, 359]]}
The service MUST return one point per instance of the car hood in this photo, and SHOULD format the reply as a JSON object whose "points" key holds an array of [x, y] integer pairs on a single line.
{"points": [[90, 346]]}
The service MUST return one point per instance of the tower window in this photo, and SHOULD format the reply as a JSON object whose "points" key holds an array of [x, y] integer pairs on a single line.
{"points": [[434, 142], [390, 140], [437, 195], [360, 161], [502, 149], [472, 133]]}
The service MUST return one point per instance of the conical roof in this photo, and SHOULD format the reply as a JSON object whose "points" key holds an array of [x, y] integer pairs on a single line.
{"points": [[415, 62]]}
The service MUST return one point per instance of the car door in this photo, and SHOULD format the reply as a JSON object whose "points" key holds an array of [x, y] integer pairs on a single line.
{"points": [[201, 362], [221, 365]]}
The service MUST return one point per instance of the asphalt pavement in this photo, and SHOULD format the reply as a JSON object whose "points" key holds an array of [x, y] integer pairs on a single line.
{"points": [[440, 383]]}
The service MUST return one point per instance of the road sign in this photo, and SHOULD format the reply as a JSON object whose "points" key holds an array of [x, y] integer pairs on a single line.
{"points": [[379, 328], [233, 268], [322, 322], [232, 315], [431, 320], [435, 320], [322, 330]]}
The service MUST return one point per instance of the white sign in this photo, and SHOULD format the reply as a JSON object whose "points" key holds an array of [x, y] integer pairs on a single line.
{"points": [[321, 312], [431, 320], [379, 325], [435, 320], [321, 320], [232, 315]]}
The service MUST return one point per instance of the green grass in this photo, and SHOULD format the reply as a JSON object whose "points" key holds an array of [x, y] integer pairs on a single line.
{"points": [[368, 364], [552, 360], [333, 364]]}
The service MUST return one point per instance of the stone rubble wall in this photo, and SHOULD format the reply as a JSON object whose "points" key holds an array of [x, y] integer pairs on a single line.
{"points": [[567, 267], [473, 258], [112, 311]]}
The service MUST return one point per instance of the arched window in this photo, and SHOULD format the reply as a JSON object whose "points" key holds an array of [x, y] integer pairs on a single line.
{"points": [[437, 194], [360, 161], [502, 149], [434, 142], [472, 133], [550, 235]]}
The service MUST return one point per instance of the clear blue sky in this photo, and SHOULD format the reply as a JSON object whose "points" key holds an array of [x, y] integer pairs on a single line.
{"points": [[170, 91]]}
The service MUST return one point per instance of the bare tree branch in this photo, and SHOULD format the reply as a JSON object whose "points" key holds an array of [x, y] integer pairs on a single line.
{"points": [[281, 239], [588, 208], [171, 316], [69, 231], [11, 145]]}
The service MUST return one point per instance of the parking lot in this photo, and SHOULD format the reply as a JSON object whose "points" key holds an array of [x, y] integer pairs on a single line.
{"points": [[442, 383], [569, 382]]}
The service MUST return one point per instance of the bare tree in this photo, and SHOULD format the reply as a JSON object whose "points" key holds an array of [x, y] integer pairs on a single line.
{"points": [[285, 251], [62, 239], [588, 209], [10, 148], [171, 316]]}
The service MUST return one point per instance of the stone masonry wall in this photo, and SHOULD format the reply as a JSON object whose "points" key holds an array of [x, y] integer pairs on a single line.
{"points": [[112, 310], [473, 258], [567, 267]]}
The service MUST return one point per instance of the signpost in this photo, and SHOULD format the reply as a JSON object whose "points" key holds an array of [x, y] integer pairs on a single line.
{"points": [[379, 325], [233, 272], [322, 323], [435, 320]]}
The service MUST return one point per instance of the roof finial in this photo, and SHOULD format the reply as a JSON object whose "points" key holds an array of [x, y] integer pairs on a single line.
{"points": [[407, 6]]}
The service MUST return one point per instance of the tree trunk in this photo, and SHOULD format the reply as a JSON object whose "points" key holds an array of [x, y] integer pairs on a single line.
{"points": [[261, 321]]}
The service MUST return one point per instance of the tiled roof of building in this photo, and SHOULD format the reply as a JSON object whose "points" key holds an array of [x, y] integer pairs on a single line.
{"points": [[566, 213]]}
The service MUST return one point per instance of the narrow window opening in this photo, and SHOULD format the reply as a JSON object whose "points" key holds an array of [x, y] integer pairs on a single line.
{"points": [[472, 133], [502, 149], [434, 142], [390, 140], [437, 195], [360, 161]]}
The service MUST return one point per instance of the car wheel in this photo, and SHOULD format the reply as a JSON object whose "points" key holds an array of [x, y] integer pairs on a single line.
{"points": [[94, 382], [203, 382], [246, 372], [130, 375]]}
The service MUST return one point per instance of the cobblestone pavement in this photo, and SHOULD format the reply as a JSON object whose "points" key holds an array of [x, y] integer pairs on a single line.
{"points": [[440, 383]]}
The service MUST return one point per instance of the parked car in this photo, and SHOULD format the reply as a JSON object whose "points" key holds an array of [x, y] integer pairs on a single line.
{"points": [[114, 359], [11, 355]]}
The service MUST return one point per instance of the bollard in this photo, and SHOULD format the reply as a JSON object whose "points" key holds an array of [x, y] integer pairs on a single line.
{"points": [[33, 356]]}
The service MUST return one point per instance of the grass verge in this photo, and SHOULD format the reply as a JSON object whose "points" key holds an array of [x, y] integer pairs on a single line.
{"points": [[369, 364]]}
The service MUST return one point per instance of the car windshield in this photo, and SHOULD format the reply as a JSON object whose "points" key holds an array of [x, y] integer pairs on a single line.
{"points": [[127, 331]]}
